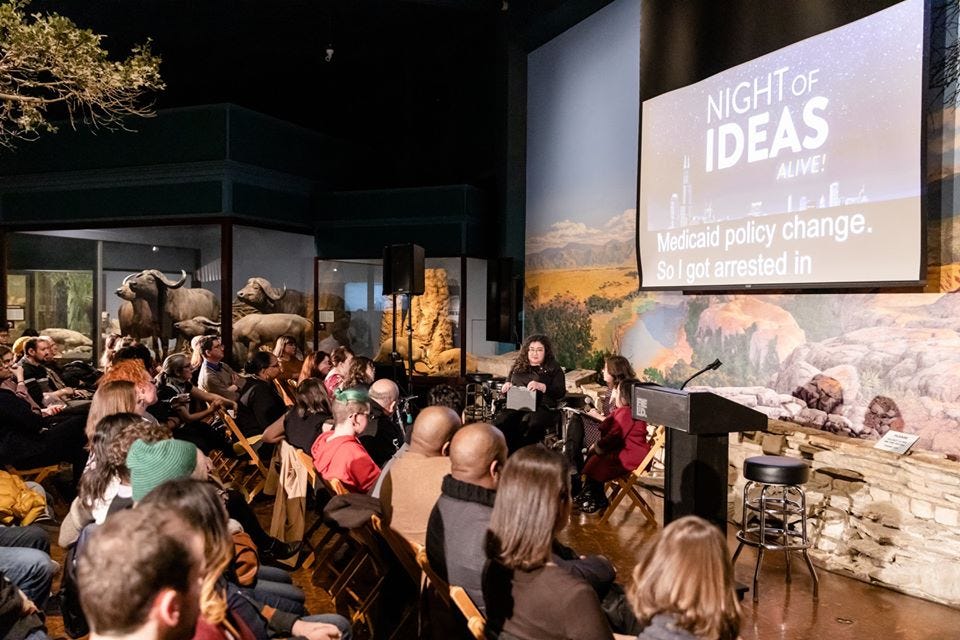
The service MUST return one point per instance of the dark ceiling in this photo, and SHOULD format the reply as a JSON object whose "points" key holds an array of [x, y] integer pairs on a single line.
{"points": [[414, 85]]}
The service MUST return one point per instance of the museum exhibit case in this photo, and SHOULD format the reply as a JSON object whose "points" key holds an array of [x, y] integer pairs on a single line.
{"points": [[160, 284], [448, 320]]}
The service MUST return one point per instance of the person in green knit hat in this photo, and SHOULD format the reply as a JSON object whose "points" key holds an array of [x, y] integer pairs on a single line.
{"points": [[153, 463]]}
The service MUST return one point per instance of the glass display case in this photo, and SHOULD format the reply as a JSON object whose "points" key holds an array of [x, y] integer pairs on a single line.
{"points": [[160, 284], [445, 326]]}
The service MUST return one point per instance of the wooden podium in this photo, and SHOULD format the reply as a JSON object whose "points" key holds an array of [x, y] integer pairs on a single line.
{"points": [[696, 458]]}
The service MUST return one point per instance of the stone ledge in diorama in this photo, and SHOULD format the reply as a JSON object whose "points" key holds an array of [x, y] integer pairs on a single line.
{"points": [[880, 517]]}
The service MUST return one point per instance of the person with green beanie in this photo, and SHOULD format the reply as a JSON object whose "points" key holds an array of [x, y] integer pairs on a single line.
{"points": [[153, 463]]}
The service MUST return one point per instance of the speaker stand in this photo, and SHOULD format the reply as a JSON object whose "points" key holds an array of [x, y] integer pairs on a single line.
{"points": [[409, 344], [395, 358]]}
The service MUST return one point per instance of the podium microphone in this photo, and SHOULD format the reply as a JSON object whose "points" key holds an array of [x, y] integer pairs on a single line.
{"points": [[713, 366]]}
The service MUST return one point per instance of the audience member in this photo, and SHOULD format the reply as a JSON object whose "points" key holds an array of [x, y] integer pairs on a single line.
{"points": [[291, 361], [137, 351], [683, 586], [20, 618], [527, 595], [41, 386], [105, 485], [31, 436], [139, 577], [305, 419], [315, 365], [338, 453], [383, 435], [196, 359], [445, 395], [125, 388], [25, 557], [8, 380], [537, 370], [413, 481], [360, 373], [110, 346], [458, 522], [340, 360], [216, 376], [622, 446], [226, 610], [174, 395], [260, 404], [153, 463]]}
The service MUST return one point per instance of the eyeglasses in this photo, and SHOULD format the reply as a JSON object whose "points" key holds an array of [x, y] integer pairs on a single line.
{"points": [[536, 350]]}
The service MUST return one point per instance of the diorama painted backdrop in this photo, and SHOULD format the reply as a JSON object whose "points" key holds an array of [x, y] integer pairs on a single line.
{"points": [[857, 364]]}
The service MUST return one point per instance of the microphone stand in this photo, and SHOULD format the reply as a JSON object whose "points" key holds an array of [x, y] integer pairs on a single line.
{"points": [[713, 366]]}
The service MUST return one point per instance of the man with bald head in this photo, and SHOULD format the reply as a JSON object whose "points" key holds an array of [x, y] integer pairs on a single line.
{"points": [[458, 523], [383, 435], [412, 482]]}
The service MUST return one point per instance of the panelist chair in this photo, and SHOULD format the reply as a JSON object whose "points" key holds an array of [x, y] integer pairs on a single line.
{"points": [[629, 485]]}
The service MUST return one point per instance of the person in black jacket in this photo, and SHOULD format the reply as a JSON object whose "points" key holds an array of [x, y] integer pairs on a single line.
{"points": [[29, 438], [537, 369]]}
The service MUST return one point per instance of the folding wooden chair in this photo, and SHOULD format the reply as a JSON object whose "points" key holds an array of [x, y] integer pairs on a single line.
{"points": [[38, 475], [250, 477], [405, 552], [282, 390], [630, 484], [454, 597], [348, 588]]}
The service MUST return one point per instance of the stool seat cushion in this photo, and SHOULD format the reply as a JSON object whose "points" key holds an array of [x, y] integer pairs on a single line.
{"points": [[775, 470]]}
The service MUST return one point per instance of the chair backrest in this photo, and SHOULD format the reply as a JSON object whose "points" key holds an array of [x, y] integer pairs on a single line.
{"points": [[334, 486], [656, 448], [282, 390], [439, 584], [242, 441], [404, 550], [475, 620], [307, 462]]}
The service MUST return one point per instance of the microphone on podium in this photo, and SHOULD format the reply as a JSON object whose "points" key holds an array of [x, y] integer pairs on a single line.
{"points": [[713, 366]]}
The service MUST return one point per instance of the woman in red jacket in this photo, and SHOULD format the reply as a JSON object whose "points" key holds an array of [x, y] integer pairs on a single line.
{"points": [[622, 446]]}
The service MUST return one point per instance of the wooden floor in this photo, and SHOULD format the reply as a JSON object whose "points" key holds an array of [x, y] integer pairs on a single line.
{"points": [[846, 609]]}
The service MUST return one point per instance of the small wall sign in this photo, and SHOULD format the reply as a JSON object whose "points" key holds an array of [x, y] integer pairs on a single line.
{"points": [[896, 442]]}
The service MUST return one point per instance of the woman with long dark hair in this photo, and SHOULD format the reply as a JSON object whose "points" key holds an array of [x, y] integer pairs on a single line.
{"points": [[537, 370], [584, 429], [304, 421], [527, 596]]}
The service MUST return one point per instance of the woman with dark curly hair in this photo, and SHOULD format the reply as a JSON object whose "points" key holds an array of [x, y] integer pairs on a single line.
{"points": [[536, 369]]}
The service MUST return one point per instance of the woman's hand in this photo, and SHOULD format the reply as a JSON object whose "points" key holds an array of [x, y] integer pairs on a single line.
{"points": [[533, 385], [506, 387]]}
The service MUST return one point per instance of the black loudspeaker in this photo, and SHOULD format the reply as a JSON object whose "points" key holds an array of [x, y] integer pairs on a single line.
{"points": [[403, 269], [503, 296]]}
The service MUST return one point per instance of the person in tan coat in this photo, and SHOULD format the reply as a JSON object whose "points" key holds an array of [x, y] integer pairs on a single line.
{"points": [[412, 483]]}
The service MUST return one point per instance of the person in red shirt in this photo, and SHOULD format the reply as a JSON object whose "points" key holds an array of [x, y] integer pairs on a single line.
{"points": [[622, 446], [338, 452]]}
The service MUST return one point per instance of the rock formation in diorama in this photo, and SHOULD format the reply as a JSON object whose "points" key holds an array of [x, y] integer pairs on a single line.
{"points": [[433, 352]]}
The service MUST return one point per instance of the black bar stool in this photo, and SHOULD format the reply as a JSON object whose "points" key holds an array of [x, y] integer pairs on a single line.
{"points": [[770, 515]]}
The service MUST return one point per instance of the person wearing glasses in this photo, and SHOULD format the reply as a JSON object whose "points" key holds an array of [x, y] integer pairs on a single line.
{"points": [[174, 394], [338, 453], [260, 404], [537, 369], [216, 376]]}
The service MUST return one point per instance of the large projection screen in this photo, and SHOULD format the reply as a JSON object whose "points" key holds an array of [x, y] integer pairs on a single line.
{"points": [[799, 168]]}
